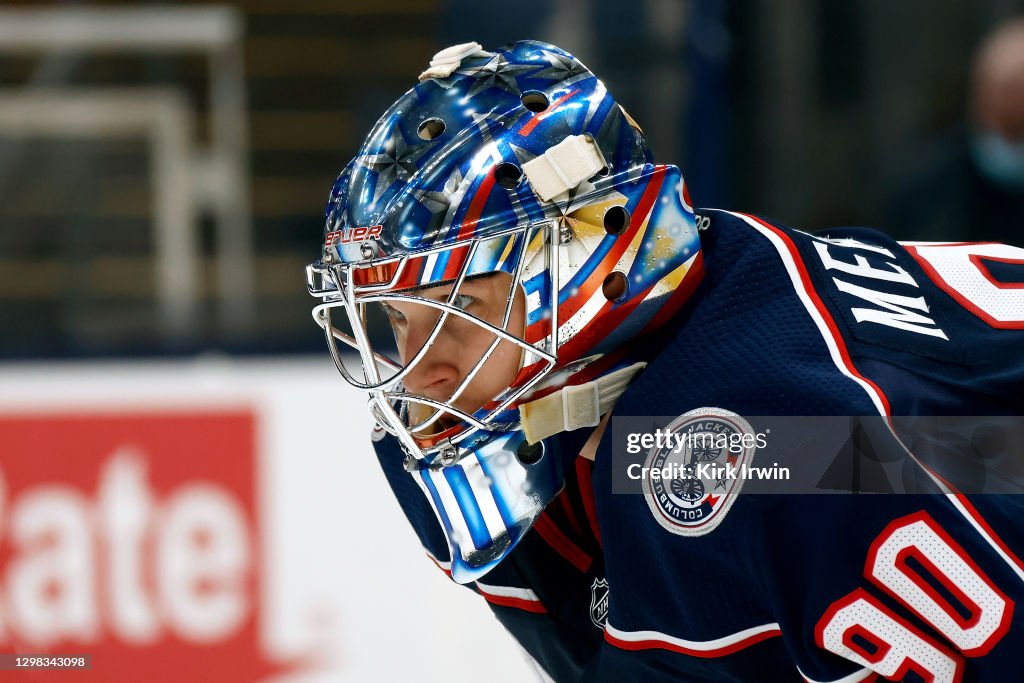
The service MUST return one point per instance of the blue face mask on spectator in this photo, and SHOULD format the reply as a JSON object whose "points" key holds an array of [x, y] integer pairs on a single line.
{"points": [[1000, 161]]}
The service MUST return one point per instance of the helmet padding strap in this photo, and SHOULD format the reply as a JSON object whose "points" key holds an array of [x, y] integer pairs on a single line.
{"points": [[564, 166], [574, 407], [445, 62]]}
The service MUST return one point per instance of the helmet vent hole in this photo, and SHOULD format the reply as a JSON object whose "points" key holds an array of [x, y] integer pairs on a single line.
{"points": [[615, 286], [535, 100], [508, 175], [430, 129], [603, 173], [530, 453], [616, 220]]}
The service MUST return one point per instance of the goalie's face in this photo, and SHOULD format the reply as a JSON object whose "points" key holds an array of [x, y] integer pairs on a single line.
{"points": [[462, 347]]}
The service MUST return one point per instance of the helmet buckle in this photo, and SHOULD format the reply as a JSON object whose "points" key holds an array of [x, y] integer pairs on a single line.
{"points": [[449, 453], [565, 233]]}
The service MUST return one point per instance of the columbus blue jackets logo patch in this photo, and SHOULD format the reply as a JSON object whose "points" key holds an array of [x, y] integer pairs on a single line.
{"points": [[693, 474], [599, 602]]}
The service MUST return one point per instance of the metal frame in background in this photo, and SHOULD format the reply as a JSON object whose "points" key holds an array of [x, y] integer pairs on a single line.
{"points": [[187, 179]]}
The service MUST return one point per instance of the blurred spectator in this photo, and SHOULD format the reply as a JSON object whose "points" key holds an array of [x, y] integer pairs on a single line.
{"points": [[974, 187]]}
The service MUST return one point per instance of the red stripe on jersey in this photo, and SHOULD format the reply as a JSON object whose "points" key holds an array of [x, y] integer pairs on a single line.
{"points": [[525, 604], [561, 544], [566, 506], [654, 644], [826, 316], [805, 280], [440, 566], [976, 516], [536, 607], [583, 471]]}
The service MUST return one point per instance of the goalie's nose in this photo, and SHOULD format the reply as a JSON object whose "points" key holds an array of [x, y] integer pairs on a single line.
{"points": [[436, 380], [436, 375]]}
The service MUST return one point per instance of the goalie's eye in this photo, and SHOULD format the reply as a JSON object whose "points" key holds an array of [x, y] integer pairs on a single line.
{"points": [[394, 315], [463, 301]]}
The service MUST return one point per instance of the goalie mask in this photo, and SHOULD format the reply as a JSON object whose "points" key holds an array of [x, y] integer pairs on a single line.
{"points": [[488, 255]]}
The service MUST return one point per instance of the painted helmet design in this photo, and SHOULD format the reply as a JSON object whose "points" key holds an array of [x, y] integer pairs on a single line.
{"points": [[514, 170]]}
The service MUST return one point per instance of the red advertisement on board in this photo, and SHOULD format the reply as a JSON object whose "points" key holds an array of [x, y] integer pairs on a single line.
{"points": [[133, 538]]}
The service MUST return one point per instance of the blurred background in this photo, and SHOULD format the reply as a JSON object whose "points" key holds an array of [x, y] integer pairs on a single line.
{"points": [[163, 167], [163, 170]]}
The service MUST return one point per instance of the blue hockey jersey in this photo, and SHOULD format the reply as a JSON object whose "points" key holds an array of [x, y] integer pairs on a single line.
{"points": [[790, 588]]}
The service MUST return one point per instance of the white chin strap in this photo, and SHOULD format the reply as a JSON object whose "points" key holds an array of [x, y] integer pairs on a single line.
{"points": [[576, 406]]}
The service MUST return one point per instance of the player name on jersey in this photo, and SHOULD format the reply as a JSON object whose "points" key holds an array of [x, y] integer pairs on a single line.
{"points": [[889, 308]]}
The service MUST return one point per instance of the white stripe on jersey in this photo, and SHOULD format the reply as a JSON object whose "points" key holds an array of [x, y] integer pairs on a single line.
{"points": [[852, 678], [696, 645], [812, 310]]}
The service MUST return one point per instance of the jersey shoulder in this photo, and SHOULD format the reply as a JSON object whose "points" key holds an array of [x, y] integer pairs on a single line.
{"points": [[937, 327]]}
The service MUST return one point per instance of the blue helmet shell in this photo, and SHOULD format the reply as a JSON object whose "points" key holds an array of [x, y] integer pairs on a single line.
{"points": [[480, 118]]}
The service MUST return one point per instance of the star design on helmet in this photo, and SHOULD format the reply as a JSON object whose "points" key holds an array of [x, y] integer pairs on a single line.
{"points": [[482, 122], [522, 154], [440, 201], [497, 72], [596, 100], [573, 199], [561, 69], [396, 161], [611, 129]]}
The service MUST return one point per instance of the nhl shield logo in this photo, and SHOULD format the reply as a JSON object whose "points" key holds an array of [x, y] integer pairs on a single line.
{"points": [[599, 602], [699, 471]]}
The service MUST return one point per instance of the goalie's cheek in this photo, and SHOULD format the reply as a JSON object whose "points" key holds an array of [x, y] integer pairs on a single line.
{"points": [[412, 336]]}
